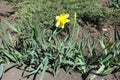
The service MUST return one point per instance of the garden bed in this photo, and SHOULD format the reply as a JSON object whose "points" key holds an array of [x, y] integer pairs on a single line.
{"points": [[16, 73]]}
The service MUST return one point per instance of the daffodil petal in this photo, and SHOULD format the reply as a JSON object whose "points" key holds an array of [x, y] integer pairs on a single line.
{"points": [[67, 15], [57, 17], [62, 26], [68, 20], [57, 24]]}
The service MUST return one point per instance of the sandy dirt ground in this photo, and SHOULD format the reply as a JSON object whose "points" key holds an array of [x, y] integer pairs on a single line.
{"points": [[16, 74]]}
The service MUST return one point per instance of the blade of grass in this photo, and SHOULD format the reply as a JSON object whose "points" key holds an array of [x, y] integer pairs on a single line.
{"points": [[1, 70], [10, 26], [44, 69]]}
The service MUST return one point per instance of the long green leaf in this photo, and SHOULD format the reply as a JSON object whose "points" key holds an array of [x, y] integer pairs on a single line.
{"points": [[1, 70], [44, 69], [10, 26]]}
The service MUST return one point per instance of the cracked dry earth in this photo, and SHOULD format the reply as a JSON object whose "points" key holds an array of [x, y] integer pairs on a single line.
{"points": [[15, 73]]}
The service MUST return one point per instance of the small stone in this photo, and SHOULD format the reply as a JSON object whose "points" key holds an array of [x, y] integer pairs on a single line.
{"points": [[104, 29]]}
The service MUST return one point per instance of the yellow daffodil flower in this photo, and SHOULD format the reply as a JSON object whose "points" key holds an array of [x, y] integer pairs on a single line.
{"points": [[62, 20]]}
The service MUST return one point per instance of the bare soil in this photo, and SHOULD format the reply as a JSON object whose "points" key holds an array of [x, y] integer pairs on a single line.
{"points": [[15, 73], [12, 72], [6, 10]]}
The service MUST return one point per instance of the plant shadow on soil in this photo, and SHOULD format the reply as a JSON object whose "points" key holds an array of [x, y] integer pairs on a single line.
{"points": [[12, 72]]}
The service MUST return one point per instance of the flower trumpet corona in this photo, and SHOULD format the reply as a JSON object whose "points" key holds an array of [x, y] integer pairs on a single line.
{"points": [[62, 19]]}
